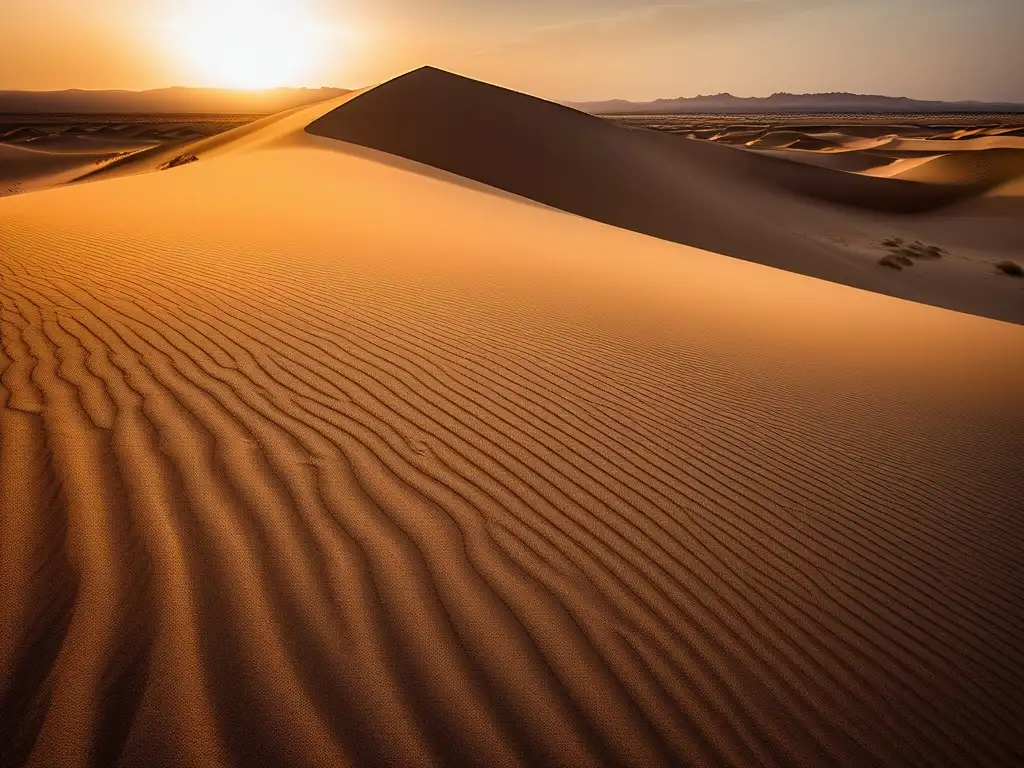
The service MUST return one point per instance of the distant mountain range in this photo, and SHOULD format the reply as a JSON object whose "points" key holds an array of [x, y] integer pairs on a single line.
{"points": [[203, 101], [219, 101], [789, 102]]}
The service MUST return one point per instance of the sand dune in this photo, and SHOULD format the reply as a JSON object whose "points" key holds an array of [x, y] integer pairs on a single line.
{"points": [[889, 166], [740, 129], [692, 192], [21, 134], [852, 162], [931, 146], [576, 162], [735, 137], [980, 170], [24, 168], [824, 215], [92, 145], [985, 168], [316, 455], [792, 140], [819, 141], [85, 143]]}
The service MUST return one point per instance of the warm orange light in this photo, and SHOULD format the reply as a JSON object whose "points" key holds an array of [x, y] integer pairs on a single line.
{"points": [[248, 43]]}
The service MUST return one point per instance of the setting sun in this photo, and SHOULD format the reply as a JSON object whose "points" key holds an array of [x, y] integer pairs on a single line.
{"points": [[232, 44]]}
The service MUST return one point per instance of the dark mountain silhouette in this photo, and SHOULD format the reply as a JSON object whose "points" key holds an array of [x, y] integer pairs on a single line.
{"points": [[790, 102], [180, 100]]}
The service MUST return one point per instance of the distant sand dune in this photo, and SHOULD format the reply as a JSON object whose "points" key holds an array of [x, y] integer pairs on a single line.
{"points": [[314, 455], [961, 145], [21, 134], [984, 168], [791, 140], [852, 162], [85, 144], [822, 141], [894, 166], [24, 168]]}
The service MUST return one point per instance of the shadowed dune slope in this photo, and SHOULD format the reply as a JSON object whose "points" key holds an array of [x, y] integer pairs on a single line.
{"points": [[715, 197], [85, 143], [313, 456], [570, 160], [851, 162], [21, 134], [800, 140], [24, 168], [960, 145]]}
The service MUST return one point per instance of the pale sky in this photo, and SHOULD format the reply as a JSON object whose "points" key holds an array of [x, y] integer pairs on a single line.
{"points": [[573, 49]]}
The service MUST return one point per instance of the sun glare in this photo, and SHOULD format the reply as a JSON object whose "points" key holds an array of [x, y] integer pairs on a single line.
{"points": [[247, 44]]}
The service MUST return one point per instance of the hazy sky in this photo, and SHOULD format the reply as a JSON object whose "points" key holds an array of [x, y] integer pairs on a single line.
{"points": [[573, 49]]}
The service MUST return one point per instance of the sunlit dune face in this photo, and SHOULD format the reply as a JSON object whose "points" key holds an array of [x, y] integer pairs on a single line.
{"points": [[248, 44]]}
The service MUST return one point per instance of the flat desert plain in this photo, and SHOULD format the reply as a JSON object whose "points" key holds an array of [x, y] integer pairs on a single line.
{"points": [[441, 425]]}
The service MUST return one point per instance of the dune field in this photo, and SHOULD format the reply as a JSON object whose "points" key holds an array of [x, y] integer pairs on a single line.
{"points": [[42, 151], [441, 425]]}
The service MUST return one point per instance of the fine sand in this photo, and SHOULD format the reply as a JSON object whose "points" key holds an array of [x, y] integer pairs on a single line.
{"points": [[313, 454]]}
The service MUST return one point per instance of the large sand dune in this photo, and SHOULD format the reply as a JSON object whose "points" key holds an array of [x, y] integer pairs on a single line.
{"points": [[794, 216], [315, 455]]}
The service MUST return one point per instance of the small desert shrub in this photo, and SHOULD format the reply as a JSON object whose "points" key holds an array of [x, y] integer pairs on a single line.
{"points": [[906, 261], [178, 161], [903, 251], [890, 262], [1011, 268], [921, 251]]}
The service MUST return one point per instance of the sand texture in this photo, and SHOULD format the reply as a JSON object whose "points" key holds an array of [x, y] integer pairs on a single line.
{"points": [[312, 454]]}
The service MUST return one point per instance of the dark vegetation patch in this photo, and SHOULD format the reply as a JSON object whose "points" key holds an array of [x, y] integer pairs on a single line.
{"points": [[178, 161], [904, 254], [1011, 268]]}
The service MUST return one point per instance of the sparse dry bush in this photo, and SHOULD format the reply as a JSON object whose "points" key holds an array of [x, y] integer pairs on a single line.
{"points": [[1011, 268], [178, 161], [918, 250], [904, 253]]}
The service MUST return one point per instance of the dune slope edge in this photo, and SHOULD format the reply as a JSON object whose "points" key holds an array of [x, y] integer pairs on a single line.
{"points": [[794, 216]]}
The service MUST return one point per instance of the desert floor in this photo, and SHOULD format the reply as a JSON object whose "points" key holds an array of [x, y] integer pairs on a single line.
{"points": [[440, 425]]}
